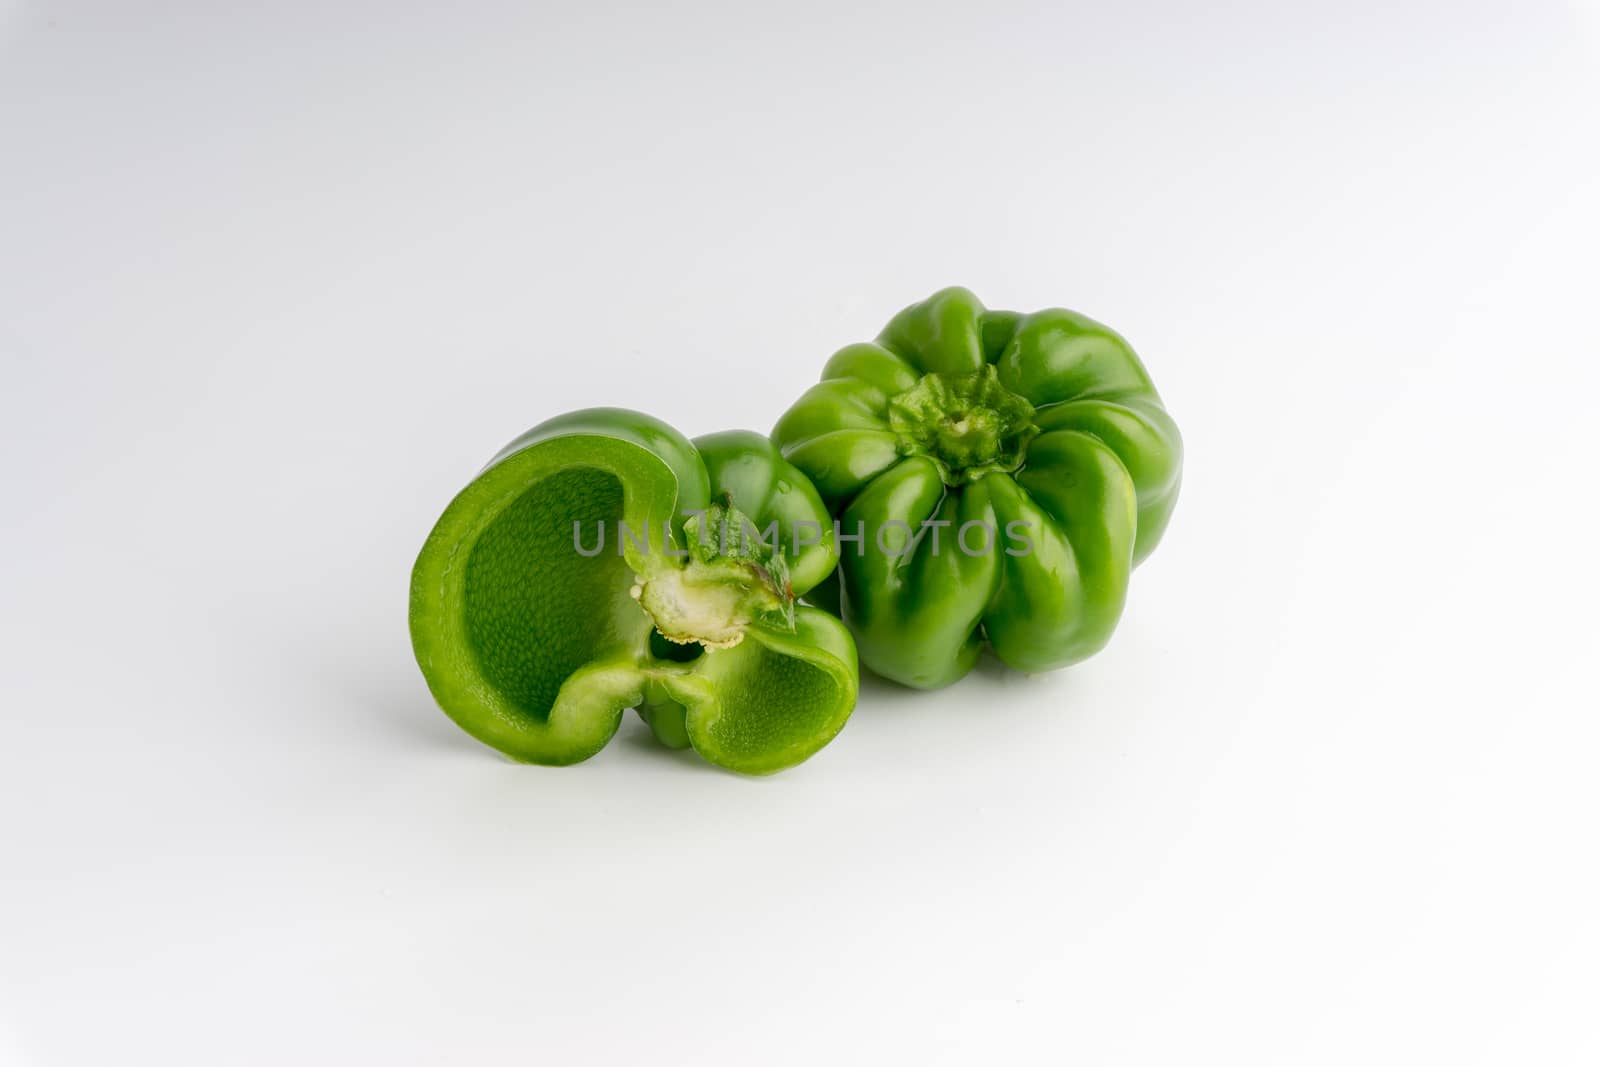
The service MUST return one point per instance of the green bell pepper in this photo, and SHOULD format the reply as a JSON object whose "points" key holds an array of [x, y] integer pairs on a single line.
{"points": [[602, 562], [1038, 438]]}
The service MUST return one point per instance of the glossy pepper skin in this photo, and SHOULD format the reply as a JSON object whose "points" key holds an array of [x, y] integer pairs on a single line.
{"points": [[1041, 432], [535, 636]]}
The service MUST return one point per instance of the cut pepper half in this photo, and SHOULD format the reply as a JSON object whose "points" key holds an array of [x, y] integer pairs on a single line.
{"points": [[602, 562]]}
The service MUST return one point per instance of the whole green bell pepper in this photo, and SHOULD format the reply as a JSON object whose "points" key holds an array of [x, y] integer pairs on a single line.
{"points": [[1040, 436], [600, 562]]}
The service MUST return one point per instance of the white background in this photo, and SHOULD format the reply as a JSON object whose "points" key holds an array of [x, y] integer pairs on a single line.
{"points": [[275, 279]]}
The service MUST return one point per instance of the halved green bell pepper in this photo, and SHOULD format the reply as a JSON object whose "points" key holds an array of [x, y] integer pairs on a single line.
{"points": [[1040, 436], [603, 562]]}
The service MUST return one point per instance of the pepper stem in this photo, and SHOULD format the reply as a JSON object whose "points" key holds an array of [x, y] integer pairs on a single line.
{"points": [[969, 425]]}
